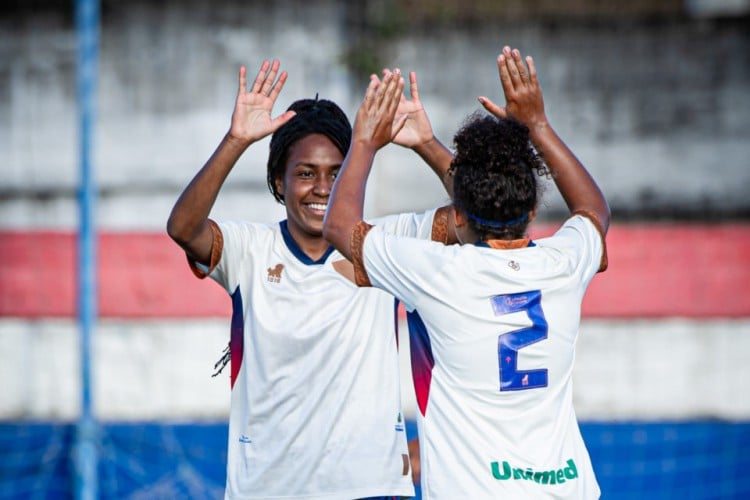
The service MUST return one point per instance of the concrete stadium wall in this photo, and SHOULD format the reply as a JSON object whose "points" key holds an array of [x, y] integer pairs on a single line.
{"points": [[658, 109]]}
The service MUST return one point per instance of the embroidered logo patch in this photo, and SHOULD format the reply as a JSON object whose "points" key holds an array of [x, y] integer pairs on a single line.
{"points": [[274, 274]]}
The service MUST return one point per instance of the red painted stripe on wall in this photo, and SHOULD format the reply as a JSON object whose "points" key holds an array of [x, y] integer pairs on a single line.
{"points": [[687, 270]]}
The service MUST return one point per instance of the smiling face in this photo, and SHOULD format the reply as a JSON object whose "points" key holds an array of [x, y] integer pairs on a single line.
{"points": [[311, 168]]}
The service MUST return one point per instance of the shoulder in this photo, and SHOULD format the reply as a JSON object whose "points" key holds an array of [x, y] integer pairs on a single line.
{"points": [[580, 237]]}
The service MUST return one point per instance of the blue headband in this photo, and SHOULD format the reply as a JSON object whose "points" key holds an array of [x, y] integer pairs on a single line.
{"points": [[492, 223]]}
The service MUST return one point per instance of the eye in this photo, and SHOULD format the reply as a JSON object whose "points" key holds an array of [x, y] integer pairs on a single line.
{"points": [[306, 174]]}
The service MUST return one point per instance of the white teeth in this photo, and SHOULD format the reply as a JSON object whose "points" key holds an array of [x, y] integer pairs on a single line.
{"points": [[317, 206]]}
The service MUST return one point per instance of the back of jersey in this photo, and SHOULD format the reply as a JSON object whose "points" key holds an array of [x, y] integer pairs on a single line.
{"points": [[493, 336]]}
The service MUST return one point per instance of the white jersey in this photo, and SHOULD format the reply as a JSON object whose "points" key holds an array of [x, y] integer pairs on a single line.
{"points": [[493, 334], [315, 404]]}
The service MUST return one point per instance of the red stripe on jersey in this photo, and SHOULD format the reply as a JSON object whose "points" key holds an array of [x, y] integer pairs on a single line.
{"points": [[687, 270]]}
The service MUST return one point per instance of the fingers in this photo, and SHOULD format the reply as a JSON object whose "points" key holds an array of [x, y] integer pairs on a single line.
{"points": [[395, 91], [520, 69], [504, 72], [260, 77], [276, 89], [413, 89], [493, 108], [280, 120], [515, 76], [243, 80], [268, 83], [390, 92], [532, 71], [265, 80]]}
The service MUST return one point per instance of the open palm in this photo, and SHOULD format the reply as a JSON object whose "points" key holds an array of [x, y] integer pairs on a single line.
{"points": [[417, 128], [251, 119]]}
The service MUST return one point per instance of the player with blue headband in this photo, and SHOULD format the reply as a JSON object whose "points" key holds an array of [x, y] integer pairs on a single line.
{"points": [[495, 319]]}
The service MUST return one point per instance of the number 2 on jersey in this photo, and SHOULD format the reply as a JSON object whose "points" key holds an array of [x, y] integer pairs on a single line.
{"points": [[508, 344]]}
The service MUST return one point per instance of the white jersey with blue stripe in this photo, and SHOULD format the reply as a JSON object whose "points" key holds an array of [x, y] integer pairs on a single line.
{"points": [[316, 408], [493, 334]]}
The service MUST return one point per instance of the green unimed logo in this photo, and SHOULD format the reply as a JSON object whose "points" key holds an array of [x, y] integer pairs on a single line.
{"points": [[555, 476]]}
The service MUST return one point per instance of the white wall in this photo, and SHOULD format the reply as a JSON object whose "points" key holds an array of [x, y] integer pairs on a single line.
{"points": [[651, 370]]}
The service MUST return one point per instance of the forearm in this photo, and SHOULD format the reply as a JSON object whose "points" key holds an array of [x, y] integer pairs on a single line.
{"points": [[576, 185], [439, 158], [189, 215], [345, 206]]}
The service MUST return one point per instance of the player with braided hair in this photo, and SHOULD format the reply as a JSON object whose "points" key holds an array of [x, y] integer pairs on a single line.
{"points": [[315, 404], [495, 319]]}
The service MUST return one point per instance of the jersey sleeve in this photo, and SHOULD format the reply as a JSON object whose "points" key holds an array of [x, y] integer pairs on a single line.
{"points": [[430, 225], [231, 241], [582, 236], [402, 266]]}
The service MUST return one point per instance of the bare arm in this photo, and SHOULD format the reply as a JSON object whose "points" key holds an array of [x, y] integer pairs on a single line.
{"points": [[374, 127], [523, 96], [251, 121]]}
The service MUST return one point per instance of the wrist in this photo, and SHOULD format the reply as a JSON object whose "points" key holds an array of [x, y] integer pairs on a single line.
{"points": [[539, 129], [237, 141], [366, 146], [426, 146]]}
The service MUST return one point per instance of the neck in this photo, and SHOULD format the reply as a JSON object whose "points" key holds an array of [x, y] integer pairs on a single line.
{"points": [[312, 245], [508, 244]]}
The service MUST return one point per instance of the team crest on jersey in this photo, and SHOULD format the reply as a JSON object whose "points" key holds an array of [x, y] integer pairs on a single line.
{"points": [[514, 265], [274, 274]]}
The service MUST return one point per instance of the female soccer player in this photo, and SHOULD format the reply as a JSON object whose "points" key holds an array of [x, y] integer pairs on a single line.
{"points": [[315, 403], [498, 315]]}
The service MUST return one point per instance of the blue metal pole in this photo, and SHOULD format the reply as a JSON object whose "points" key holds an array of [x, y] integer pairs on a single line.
{"points": [[86, 446]]}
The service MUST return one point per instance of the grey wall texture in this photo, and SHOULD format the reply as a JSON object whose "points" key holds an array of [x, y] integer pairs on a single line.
{"points": [[658, 107]]}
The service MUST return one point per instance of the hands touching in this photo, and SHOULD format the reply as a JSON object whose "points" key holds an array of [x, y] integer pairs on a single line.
{"points": [[417, 130], [251, 119], [523, 94], [376, 124]]}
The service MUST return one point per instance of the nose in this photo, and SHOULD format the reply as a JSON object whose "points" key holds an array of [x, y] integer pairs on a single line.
{"points": [[323, 185]]}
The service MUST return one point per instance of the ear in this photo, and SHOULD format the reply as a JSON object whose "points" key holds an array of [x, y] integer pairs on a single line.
{"points": [[279, 184], [532, 215], [459, 216]]}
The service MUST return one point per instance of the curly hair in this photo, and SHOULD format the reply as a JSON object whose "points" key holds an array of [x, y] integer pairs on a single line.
{"points": [[495, 171], [314, 116]]}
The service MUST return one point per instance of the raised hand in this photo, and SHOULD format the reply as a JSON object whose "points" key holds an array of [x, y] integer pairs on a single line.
{"points": [[417, 129], [375, 125], [523, 94], [251, 119]]}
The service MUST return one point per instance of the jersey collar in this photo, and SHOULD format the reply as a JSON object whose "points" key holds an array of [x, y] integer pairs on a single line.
{"points": [[506, 244], [297, 251]]}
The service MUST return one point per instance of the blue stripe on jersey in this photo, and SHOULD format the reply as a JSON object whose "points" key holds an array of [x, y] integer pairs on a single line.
{"points": [[297, 251], [237, 335], [422, 360]]}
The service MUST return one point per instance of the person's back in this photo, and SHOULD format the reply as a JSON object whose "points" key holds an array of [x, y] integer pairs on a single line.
{"points": [[493, 321], [496, 330]]}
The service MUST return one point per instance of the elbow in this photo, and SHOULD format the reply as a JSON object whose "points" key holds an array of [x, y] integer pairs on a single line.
{"points": [[178, 232], [329, 230], [334, 232], [605, 215]]}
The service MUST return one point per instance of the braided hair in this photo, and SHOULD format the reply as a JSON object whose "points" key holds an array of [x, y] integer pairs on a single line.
{"points": [[314, 116], [495, 171]]}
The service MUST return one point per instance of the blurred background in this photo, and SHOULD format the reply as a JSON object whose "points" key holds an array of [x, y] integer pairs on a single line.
{"points": [[652, 95]]}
